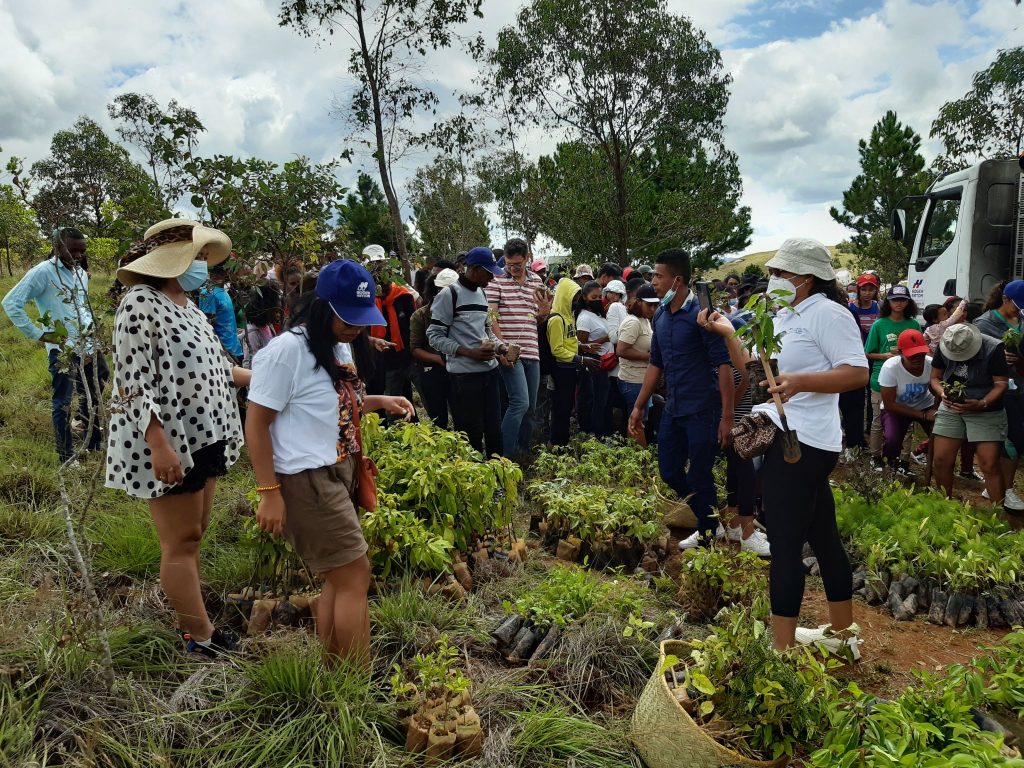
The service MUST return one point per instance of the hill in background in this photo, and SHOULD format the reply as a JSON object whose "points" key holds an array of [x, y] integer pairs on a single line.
{"points": [[761, 258]]}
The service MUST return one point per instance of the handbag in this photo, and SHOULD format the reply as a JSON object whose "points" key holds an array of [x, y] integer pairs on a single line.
{"points": [[366, 470], [608, 361], [754, 434]]}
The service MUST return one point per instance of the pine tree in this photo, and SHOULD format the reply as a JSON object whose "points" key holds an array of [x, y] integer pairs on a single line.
{"points": [[892, 167]]}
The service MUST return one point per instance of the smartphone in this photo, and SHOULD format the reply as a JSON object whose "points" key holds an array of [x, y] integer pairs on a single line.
{"points": [[703, 291]]}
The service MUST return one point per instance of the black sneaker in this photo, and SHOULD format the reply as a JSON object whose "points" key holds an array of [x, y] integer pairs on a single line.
{"points": [[877, 463], [220, 643]]}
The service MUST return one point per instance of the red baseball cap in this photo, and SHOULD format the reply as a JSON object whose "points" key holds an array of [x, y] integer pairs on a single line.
{"points": [[866, 279], [912, 343]]}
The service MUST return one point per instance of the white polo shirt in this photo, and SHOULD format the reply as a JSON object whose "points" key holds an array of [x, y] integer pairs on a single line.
{"points": [[818, 335]]}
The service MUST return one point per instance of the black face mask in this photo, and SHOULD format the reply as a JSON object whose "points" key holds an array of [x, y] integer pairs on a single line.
{"points": [[595, 306]]}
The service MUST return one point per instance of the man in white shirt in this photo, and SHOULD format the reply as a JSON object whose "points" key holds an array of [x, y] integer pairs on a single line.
{"points": [[906, 395]]}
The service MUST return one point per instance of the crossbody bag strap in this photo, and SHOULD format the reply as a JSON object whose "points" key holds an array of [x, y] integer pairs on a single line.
{"points": [[355, 412]]}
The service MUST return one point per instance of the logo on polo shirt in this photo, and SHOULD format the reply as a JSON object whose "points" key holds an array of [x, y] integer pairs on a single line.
{"points": [[363, 291]]}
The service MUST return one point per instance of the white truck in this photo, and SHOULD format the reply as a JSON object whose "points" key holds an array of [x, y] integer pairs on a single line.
{"points": [[970, 235]]}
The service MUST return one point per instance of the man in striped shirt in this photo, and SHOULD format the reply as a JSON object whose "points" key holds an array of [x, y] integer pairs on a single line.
{"points": [[514, 303]]}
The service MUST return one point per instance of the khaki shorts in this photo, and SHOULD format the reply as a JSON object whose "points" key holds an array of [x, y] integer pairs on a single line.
{"points": [[985, 427], [320, 520]]}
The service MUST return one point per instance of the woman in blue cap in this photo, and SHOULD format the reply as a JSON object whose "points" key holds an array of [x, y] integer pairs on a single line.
{"points": [[302, 433]]}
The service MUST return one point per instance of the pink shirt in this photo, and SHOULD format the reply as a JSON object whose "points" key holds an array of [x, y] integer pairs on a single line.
{"points": [[517, 311]]}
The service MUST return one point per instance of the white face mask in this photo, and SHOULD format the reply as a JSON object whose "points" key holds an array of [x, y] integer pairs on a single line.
{"points": [[783, 285]]}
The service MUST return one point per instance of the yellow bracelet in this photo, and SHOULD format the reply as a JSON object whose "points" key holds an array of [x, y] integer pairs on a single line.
{"points": [[267, 488]]}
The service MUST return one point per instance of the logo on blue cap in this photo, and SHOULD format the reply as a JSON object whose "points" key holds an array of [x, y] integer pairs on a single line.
{"points": [[482, 256], [350, 290]]}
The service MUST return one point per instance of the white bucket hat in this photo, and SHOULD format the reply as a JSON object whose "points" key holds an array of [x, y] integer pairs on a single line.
{"points": [[960, 342], [616, 286], [169, 247], [803, 256], [446, 278]]}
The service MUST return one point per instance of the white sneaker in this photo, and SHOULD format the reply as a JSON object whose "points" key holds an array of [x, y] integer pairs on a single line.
{"points": [[984, 494], [919, 458], [1013, 501], [823, 635], [757, 543], [690, 542]]}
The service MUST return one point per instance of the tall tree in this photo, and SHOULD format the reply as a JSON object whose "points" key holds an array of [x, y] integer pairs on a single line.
{"points": [[883, 255], [390, 39], [86, 170], [512, 182], [283, 211], [365, 216], [621, 77], [892, 167], [988, 121], [167, 139], [19, 233], [448, 205]]}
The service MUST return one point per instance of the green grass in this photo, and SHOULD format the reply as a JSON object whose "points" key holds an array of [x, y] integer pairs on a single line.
{"points": [[762, 257]]}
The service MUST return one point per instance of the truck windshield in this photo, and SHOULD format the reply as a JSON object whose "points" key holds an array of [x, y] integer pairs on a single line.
{"points": [[940, 230]]}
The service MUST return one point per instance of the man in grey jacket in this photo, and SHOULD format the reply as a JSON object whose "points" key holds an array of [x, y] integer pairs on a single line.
{"points": [[460, 331]]}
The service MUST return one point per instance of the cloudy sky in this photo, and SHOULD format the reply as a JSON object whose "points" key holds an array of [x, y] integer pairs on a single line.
{"points": [[810, 78]]}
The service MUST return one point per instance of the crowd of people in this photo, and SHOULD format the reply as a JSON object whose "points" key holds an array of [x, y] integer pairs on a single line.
{"points": [[512, 354]]}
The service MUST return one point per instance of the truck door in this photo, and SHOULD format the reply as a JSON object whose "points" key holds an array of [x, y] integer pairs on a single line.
{"points": [[936, 257]]}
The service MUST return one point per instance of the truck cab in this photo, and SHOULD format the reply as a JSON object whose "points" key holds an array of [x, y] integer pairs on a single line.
{"points": [[969, 236]]}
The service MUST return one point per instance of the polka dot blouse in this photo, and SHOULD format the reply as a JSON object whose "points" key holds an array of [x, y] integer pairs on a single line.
{"points": [[167, 361]]}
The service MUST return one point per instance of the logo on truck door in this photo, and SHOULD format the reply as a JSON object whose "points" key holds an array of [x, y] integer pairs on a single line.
{"points": [[917, 289]]}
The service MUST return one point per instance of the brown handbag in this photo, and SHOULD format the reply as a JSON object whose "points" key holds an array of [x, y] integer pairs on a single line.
{"points": [[753, 436], [366, 470]]}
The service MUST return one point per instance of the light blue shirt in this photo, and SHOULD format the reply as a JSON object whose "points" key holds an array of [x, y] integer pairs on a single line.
{"points": [[55, 289], [216, 302]]}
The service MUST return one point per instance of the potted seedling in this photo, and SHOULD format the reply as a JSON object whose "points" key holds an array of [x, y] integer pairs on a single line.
{"points": [[1011, 340], [759, 338], [955, 391]]}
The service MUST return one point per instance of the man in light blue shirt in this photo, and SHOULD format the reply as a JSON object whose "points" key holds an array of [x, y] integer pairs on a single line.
{"points": [[216, 304], [59, 287]]}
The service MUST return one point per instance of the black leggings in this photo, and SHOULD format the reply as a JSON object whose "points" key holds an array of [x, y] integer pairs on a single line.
{"points": [[565, 377], [799, 505], [740, 483]]}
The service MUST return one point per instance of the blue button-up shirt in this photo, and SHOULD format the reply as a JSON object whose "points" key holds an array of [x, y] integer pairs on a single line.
{"points": [[216, 303], [689, 356], [55, 289]]}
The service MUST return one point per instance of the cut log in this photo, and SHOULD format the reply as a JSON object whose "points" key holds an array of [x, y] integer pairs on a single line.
{"points": [[524, 647], [506, 632], [543, 649]]}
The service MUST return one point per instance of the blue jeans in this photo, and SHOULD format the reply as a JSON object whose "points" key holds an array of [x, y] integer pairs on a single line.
{"points": [[630, 392], [64, 385], [521, 383], [692, 439], [592, 408]]}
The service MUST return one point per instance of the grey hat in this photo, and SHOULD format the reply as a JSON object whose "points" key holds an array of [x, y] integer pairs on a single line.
{"points": [[644, 269], [960, 342], [803, 256]]}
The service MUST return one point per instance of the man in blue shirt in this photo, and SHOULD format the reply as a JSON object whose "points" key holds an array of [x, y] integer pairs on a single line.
{"points": [[217, 305], [698, 414], [59, 287]]}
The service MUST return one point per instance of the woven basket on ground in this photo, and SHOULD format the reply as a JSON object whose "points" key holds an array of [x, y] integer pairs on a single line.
{"points": [[667, 737], [677, 514]]}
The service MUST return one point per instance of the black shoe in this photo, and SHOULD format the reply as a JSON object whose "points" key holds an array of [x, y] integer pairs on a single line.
{"points": [[220, 643], [877, 463]]}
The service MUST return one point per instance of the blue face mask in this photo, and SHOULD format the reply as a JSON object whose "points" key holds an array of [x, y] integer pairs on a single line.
{"points": [[194, 277], [667, 298], [734, 302]]}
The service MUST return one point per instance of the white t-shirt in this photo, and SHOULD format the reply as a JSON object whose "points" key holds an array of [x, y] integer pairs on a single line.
{"points": [[305, 432], [614, 316], [819, 335], [597, 327], [911, 391], [635, 331]]}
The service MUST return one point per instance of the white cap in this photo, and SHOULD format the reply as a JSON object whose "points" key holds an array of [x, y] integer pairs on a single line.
{"points": [[374, 253], [615, 286], [446, 278]]}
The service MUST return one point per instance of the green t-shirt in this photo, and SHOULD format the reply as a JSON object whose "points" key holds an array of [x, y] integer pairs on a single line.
{"points": [[882, 338]]}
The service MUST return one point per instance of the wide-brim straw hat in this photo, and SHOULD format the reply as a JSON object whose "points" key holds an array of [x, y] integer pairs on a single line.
{"points": [[169, 247]]}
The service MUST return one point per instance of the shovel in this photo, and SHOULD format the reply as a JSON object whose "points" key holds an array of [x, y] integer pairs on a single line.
{"points": [[790, 443]]}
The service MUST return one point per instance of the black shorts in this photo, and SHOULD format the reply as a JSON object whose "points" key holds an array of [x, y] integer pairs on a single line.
{"points": [[209, 461]]}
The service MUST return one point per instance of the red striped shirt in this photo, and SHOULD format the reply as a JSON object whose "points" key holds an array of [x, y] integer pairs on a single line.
{"points": [[517, 311]]}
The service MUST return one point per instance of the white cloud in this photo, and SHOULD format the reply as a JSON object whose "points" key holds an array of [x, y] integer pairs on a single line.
{"points": [[798, 108]]}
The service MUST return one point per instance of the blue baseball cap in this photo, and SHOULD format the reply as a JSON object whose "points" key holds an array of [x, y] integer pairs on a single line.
{"points": [[1014, 291], [349, 289], [484, 257]]}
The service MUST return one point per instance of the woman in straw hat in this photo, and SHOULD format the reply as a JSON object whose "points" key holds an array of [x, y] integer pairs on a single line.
{"points": [[174, 425], [821, 356]]}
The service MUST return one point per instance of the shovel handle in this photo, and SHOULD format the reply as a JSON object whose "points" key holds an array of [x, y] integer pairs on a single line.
{"points": [[767, 365]]}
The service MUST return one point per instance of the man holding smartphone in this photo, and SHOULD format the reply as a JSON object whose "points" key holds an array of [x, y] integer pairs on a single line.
{"points": [[698, 415]]}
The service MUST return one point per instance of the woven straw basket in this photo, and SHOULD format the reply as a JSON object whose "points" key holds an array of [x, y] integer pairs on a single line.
{"points": [[667, 737], [677, 514]]}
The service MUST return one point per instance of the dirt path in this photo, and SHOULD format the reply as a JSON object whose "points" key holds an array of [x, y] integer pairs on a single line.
{"points": [[893, 649]]}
